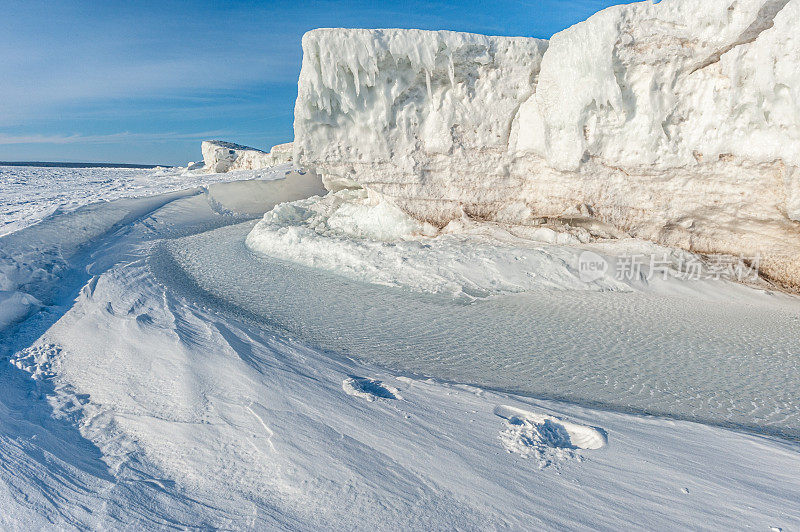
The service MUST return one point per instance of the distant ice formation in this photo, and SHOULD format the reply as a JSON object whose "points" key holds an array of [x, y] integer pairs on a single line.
{"points": [[676, 122], [220, 157]]}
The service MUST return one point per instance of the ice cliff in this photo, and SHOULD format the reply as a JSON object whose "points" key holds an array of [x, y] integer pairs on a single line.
{"points": [[677, 122], [406, 108], [220, 157]]}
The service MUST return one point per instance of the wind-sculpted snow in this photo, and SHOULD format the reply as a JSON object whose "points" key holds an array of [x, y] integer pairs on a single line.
{"points": [[192, 384], [347, 233], [677, 122], [35, 261], [731, 359]]}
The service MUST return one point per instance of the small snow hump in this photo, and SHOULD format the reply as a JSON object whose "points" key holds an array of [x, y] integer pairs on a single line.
{"points": [[369, 389], [545, 438]]}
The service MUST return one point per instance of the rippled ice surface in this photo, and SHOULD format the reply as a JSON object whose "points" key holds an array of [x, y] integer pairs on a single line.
{"points": [[731, 364]]}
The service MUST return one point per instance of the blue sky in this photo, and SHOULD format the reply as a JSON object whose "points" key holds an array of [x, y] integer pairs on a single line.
{"points": [[145, 82]]}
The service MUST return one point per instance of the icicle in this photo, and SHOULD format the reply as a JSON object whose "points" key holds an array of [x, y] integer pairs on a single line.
{"points": [[355, 79], [428, 83], [452, 70]]}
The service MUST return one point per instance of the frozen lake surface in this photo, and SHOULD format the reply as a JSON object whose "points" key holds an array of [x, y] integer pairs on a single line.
{"points": [[28, 194]]}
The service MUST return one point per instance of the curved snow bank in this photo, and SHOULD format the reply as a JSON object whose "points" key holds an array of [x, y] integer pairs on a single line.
{"points": [[221, 157], [733, 361], [344, 232], [676, 122], [36, 261], [373, 241]]}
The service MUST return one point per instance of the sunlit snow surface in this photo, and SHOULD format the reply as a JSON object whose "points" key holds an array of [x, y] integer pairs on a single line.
{"points": [[733, 363], [173, 378], [29, 193]]}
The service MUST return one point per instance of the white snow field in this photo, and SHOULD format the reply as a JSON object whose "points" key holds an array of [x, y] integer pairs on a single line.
{"points": [[29, 194], [171, 378]]}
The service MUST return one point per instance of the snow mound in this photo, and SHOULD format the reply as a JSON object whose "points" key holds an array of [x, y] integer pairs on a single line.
{"points": [[220, 157], [348, 233], [674, 122], [373, 241], [369, 389], [545, 438], [15, 306]]}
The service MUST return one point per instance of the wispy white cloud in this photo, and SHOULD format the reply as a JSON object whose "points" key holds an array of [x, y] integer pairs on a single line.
{"points": [[55, 56], [110, 138]]}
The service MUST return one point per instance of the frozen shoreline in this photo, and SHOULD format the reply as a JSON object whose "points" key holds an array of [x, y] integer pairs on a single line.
{"points": [[130, 400], [31, 194]]}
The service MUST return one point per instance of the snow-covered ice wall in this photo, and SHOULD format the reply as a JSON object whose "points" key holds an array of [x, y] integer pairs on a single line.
{"points": [[407, 111], [677, 122], [220, 156]]}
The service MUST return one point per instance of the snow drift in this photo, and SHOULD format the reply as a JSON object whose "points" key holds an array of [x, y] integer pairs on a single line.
{"points": [[676, 122]]}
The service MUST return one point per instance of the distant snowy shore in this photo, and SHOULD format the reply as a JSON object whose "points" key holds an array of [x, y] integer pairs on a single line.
{"points": [[29, 194]]}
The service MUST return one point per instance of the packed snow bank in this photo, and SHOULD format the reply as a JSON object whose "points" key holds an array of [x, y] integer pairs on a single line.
{"points": [[352, 235], [221, 157], [676, 122]]}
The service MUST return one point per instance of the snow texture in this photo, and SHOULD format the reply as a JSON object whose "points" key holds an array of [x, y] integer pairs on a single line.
{"points": [[545, 438], [677, 122], [35, 260], [221, 157], [172, 379], [347, 233]]}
